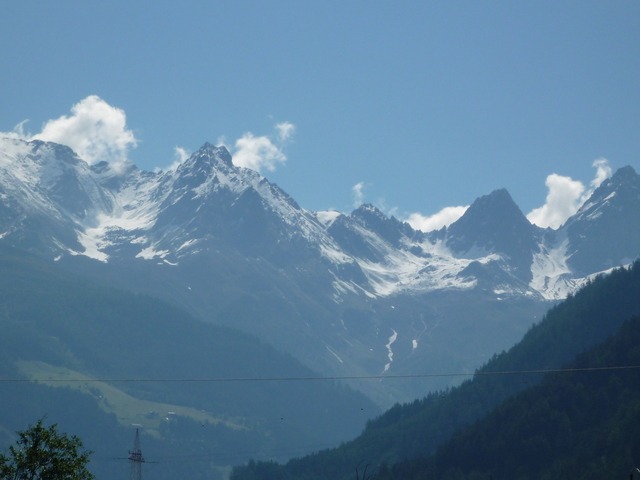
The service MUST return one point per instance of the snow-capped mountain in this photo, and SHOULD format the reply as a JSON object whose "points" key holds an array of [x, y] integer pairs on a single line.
{"points": [[604, 232], [47, 195], [350, 294]]}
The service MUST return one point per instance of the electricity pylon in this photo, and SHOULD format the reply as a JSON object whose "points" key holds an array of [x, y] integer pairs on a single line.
{"points": [[136, 459]]}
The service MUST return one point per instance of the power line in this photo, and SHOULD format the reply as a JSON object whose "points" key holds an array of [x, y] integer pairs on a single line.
{"points": [[317, 378]]}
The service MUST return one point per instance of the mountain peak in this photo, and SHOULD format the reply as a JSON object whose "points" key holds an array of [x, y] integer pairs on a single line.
{"points": [[613, 207], [498, 197], [624, 176], [212, 152], [367, 209], [626, 171], [625, 181], [498, 207], [389, 228], [204, 164], [494, 223]]}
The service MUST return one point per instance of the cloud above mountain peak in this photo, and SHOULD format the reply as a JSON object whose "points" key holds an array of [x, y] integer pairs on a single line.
{"points": [[443, 218], [262, 152], [95, 130], [566, 195], [564, 198]]}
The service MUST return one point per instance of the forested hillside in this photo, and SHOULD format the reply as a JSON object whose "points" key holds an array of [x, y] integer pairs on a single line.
{"points": [[417, 429], [581, 423]]}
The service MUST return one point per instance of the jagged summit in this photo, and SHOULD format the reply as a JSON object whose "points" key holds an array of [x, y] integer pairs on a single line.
{"points": [[626, 172], [605, 230], [625, 181], [218, 153], [204, 163], [494, 223], [498, 205], [163, 215], [389, 228]]}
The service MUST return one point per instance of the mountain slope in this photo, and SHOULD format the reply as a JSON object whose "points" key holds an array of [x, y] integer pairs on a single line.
{"points": [[137, 352], [581, 423], [417, 429]]}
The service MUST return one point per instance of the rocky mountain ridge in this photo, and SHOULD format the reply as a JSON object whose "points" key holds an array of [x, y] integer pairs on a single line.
{"points": [[164, 216], [355, 294]]}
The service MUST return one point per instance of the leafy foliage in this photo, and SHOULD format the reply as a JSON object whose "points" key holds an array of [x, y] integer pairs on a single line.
{"points": [[41, 453]]}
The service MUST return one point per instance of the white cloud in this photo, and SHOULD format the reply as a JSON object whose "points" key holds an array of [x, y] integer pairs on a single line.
{"points": [[566, 196], [285, 131], [222, 141], [179, 156], [95, 130], [603, 171], [257, 153], [358, 194], [443, 218], [563, 200], [18, 132], [261, 152]]}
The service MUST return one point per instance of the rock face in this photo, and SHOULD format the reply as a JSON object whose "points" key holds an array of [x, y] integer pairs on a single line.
{"points": [[355, 294], [495, 224], [604, 232]]}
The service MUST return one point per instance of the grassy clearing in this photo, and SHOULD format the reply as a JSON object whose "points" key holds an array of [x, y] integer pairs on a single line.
{"points": [[127, 409]]}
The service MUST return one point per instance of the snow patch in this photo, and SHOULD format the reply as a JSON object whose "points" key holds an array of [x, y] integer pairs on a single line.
{"points": [[332, 352], [392, 340], [327, 217], [150, 253], [92, 241], [187, 244], [550, 273], [404, 271], [334, 255], [343, 287]]}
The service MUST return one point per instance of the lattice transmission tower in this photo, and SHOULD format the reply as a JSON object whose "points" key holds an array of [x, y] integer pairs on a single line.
{"points": [[136, 459]]}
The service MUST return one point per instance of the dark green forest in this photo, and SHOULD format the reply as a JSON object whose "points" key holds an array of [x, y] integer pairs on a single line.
{"points": [[401, 442], [582, 423]]}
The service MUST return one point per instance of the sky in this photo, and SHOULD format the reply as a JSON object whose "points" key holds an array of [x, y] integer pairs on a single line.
{"points": [[418, 107]]}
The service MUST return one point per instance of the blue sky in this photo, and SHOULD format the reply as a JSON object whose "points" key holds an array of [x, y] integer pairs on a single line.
{"points": [[411, 105]]}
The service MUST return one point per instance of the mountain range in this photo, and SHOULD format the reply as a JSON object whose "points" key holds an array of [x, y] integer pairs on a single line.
{"points": [[359, 295]]}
